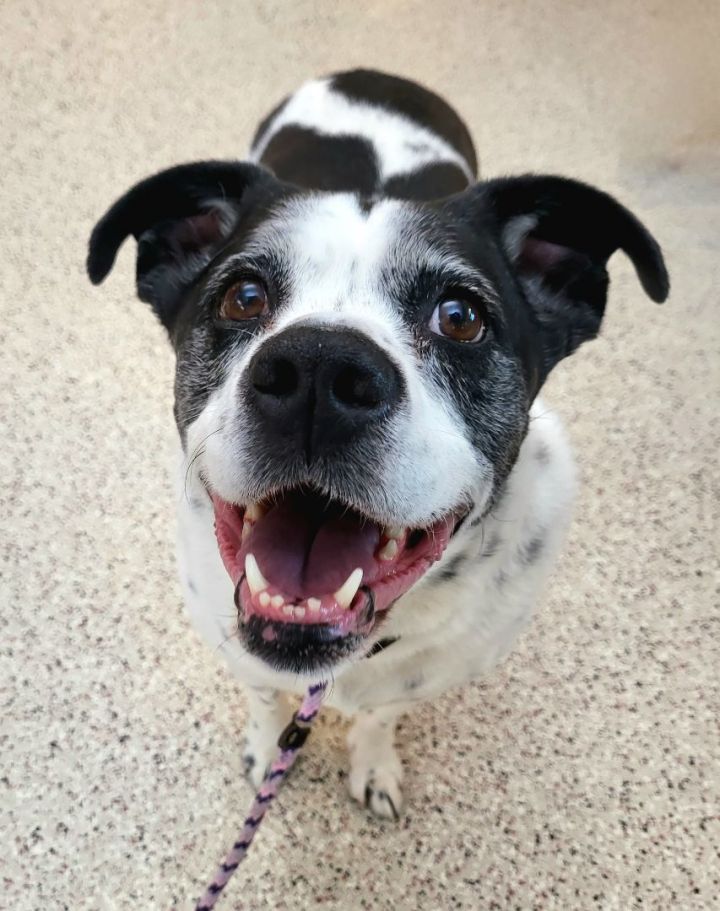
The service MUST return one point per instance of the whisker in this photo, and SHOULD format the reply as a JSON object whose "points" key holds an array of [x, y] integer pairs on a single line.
{"points": [[236, 636], [199, 451]]}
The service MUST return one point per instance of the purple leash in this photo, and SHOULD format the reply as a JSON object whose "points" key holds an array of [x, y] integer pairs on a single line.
{"points": [[290, 743]]}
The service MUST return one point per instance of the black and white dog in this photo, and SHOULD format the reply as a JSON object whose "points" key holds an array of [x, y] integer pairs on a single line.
{"points": [[370, 489]]}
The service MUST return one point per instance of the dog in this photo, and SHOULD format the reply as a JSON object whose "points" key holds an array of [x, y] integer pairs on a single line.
{"points": [[370, 490]]}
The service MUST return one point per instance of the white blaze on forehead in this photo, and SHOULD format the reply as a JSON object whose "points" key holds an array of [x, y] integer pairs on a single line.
{"points": [[332, 230], [335, 254]]}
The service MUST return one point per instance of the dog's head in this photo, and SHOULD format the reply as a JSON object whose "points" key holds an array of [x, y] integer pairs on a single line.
{"points": [[354, 377]]}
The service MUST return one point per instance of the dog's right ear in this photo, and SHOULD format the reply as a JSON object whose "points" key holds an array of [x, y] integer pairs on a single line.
{"points": [[180, 218]]}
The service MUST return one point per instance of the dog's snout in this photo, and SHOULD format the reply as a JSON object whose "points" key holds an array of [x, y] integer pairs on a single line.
{"points": [[321, 387]]}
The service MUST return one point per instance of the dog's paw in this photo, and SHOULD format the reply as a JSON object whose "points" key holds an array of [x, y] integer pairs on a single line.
{"points": [[259, 750], [375, 779]]}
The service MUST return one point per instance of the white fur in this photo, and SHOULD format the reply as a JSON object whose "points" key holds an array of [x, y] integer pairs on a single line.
{"points": [[400, 145]]}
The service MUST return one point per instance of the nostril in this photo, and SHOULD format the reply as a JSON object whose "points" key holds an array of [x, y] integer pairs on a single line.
{"points": [[356, 388], [276, 376]]}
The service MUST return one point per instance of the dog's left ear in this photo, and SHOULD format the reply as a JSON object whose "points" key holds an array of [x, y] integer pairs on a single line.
{"points": [[558, 235], [180, 218]]}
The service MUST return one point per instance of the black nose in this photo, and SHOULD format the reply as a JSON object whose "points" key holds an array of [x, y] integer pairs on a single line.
{"points": [[316, 388]]}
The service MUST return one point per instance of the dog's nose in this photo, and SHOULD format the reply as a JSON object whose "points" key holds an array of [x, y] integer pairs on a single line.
{"points": [[316, 388]]}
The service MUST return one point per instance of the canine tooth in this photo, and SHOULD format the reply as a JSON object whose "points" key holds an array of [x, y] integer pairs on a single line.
{"points": [[394, 532], [299, 612], [347, 591], [288, 610], [264, 599], [255, 579], [277, 600], [254, 512], [313, 604], [389, 552], [246, 529]]}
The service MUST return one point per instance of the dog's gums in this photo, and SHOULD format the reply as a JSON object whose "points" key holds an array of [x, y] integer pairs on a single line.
{"points": [[306, 560]]}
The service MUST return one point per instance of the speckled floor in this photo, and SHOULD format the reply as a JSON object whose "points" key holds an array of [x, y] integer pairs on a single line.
{"points": [[585, 772]]}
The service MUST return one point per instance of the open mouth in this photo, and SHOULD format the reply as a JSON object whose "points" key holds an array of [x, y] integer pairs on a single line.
{"points": [[302, 561]]}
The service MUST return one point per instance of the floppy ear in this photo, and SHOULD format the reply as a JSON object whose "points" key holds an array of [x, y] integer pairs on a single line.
{"points": [[180, 218], [558, 235]]}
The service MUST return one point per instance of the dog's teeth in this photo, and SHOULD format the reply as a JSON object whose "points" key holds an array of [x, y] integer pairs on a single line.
{"points": [[277, 601], [264, 599], [246, 529], [389, 552], [394, 532], [255, 579], [345, 594], [314, 605], [288, 610], [253, 512], [299, 612]]}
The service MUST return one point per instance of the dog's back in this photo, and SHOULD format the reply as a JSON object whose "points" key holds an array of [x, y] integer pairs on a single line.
{"points": [[368, 133]]}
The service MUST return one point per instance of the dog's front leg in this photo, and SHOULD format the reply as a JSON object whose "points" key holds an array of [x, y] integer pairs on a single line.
{"points": [[375, 767], [268, 714]]}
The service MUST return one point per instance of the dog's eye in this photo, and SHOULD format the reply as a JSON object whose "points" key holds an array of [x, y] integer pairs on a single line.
{"points": [[244, 300], [459, 320]]}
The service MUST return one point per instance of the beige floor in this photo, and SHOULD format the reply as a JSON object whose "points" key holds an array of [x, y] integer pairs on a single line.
{"points": [[585, 772]]}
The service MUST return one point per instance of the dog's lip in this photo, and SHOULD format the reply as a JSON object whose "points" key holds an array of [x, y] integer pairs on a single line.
{"points": [[359, 620]]}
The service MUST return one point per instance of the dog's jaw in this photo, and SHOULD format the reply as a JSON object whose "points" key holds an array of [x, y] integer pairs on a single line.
{"points": [[300, 561]]}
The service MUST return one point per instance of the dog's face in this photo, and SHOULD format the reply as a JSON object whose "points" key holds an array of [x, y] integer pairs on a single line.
{"points": [[354, 378]]}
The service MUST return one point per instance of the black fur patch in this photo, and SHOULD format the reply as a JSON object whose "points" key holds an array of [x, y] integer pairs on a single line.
{"points": [[530, 551], [431, 182], [413, 683], [452, 569], [490, 547], [412, 101], [202, 343], [542, 454], [501, 578], [315, 162]]}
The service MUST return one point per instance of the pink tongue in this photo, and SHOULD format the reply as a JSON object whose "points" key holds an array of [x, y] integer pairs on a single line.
{"points": [[305, 554]]}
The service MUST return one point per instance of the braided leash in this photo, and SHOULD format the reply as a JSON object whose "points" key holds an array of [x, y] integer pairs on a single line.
{"points": [[290, 743]]}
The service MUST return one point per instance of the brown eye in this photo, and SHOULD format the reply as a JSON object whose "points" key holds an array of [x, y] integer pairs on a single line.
{"points": [[245, 300], [459, 320]]}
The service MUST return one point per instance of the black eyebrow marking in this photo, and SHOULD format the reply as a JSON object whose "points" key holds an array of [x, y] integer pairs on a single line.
{"points": [[235, 265], [269, 267], [418, 286]]}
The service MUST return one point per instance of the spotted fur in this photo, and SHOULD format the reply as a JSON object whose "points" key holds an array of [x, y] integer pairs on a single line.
{"points": [[359, 210]]}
